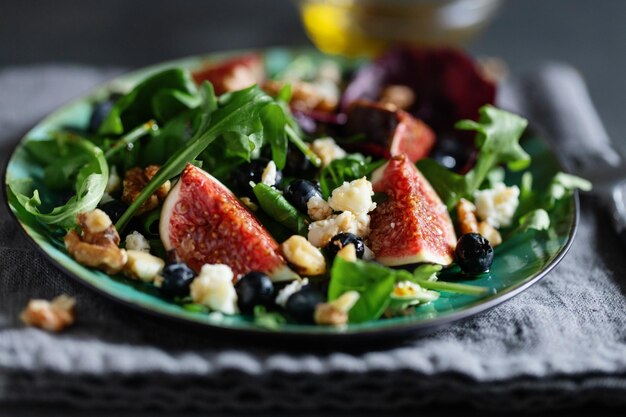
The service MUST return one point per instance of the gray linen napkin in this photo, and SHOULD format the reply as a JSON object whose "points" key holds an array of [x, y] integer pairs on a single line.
{"points": [[561, 343]]}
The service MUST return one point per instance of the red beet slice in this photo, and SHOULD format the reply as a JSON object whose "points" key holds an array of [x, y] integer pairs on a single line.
{"points": [[413, 225], [204, 223]]}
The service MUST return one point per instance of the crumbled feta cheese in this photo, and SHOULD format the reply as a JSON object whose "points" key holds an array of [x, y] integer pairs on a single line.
{"points": [[354, 196], [318, 208], [137, 241], [327, 150], [249, 203], [289, 290], [321, 231], [269, 174], [114, 181], [497, 205], [142, 266], [410, 290], [306, 258], [213, 287]]}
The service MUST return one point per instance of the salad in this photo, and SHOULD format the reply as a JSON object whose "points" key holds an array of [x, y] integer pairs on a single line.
{"points": [[306, 194]]}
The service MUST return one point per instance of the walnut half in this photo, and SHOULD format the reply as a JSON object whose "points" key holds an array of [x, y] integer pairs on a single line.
{"points": [[135, 180], [97, 245], [52, 315]]}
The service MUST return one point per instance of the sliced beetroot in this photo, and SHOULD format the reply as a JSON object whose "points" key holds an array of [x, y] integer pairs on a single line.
{"points": [[232, 74], [447, 83], [388, 131], [204, 223], [413, 224]]}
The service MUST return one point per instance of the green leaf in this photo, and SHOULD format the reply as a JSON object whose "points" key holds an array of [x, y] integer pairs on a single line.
{"points": [[277, 207], [497, 137], [274, 121], [160, 96], [350, 168], [235, 112], [268, 319], [538, 219], [90, 183], [372, 281]]}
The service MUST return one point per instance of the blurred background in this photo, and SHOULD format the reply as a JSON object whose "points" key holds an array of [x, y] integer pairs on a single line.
{"points": [[591, 35]]}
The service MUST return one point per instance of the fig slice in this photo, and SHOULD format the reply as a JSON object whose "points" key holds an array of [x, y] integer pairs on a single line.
{"points": [[233, 74], [413, 225], [204, 223], [389, 131]]}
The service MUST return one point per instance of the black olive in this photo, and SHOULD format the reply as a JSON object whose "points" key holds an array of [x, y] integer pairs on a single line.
{"points": [[251, 171], [474, 253], [114, 209], [301, 305], [177, 278], [99, 113], [299, 192], [343, 239], [253, 289]]}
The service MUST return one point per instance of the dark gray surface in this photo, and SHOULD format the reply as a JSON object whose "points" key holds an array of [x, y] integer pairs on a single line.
{"points": [[591, 35]]}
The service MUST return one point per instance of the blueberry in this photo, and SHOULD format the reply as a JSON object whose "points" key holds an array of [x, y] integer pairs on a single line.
{"points": [[253, 289], [297, 165], [99, 113], [177, 278], [299, 192], [343, 239], [451, 152], [301, 305], [474, 253], [114, 209], [251, 171]]}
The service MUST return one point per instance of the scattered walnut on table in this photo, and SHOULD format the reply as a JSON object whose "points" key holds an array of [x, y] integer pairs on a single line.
{"points": [[135, 180], [97, 245], [52, 315]]}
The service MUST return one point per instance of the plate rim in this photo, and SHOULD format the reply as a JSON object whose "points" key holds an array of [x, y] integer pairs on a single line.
{"points": [[391, 330]]}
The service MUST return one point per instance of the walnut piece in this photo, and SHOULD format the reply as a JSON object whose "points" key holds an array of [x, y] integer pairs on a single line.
{"points": [[400, 96], [306, 258], [335, 313], [97, 245], [466, 213], [53, 316], [135, 180], [305, 96]]}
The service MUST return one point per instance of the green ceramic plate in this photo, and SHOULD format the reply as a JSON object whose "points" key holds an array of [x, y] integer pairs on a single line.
{"points": [[519, 262]]}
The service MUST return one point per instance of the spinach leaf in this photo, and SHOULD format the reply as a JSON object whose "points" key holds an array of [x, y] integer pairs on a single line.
{"points": [[538, 219], [90, 183], [237, 112], [350, 168], [372, 281], [497, 137], [161, 96], [277, 207]]}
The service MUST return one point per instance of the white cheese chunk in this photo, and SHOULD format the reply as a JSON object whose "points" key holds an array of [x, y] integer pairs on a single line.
{"points": [[318, 208], [268, 177], [327, 150], [137, 241], [354, 196], [497, 205], [322, 231], [213, 287], [143, 266], [114, 182]]}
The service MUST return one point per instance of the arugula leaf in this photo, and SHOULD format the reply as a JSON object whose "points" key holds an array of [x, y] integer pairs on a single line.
{"points": [[563, 185], [350, 168], [90, 183], [497, 138], [277, 207], [161, 96], [268, 319], [372, 281], [274, 121], [236, 112]]}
